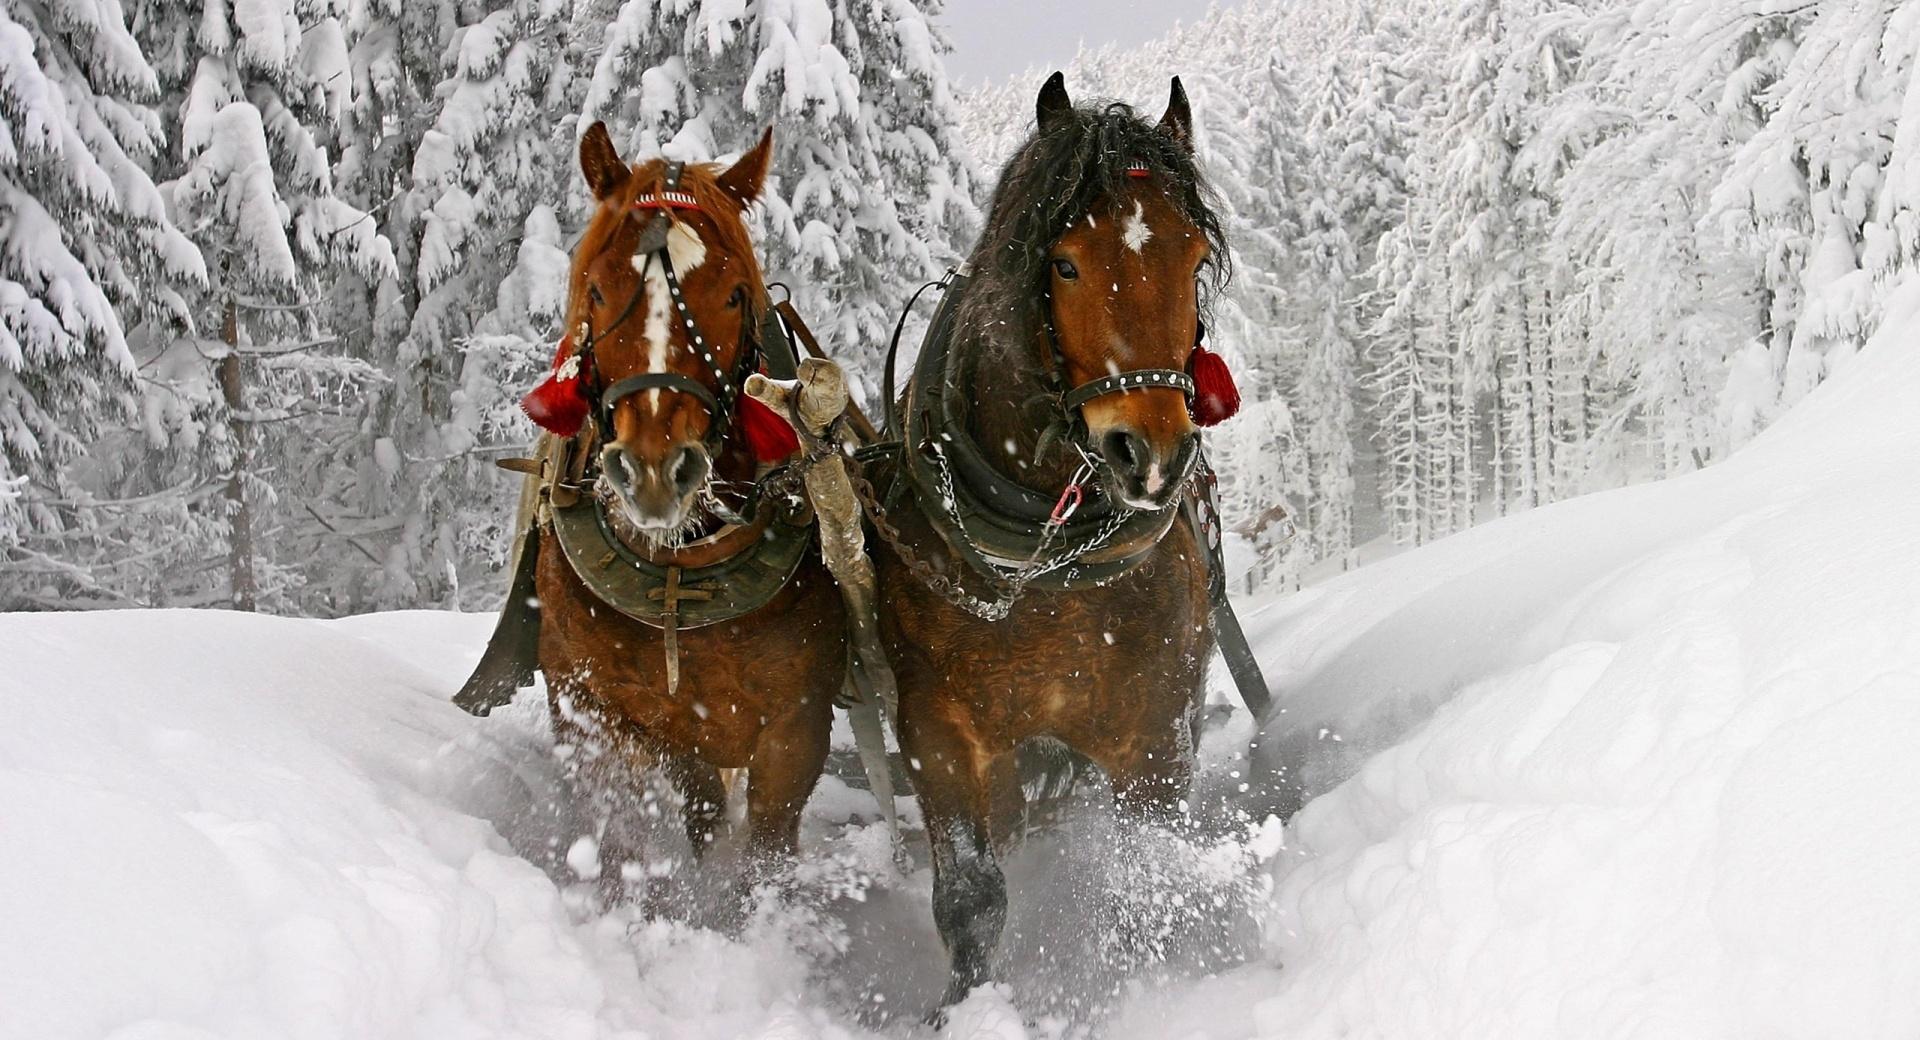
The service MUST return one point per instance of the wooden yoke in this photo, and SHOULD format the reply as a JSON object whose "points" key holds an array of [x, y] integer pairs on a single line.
{"points": [[810, 404]]}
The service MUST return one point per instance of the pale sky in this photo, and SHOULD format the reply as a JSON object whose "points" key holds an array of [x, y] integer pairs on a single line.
{"points": [[995, 39]]}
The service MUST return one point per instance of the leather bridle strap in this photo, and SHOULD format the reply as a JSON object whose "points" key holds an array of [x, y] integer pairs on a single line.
{"points": [[1127, 382], [1071, 399], [662, 381]]}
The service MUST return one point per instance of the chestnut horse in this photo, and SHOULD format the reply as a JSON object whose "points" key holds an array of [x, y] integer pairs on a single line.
{"points": [[1025, 600], [666, 308]]}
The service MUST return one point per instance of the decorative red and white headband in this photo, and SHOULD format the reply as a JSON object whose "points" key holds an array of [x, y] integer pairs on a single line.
{"points": [[667, 200]]}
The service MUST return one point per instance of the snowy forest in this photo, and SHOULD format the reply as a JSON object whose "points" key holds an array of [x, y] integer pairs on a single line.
{"points": [[275, 275]]}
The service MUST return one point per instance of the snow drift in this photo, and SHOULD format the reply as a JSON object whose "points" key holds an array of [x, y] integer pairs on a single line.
{"points": [[250, 827], [1636, 765]]}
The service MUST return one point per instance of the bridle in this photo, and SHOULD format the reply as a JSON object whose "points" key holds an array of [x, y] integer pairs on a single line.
{"points": [[719, 402], [1072, 399], [1069, 423]]}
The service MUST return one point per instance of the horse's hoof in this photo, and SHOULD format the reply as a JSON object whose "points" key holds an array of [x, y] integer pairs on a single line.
{"points": [[983, 1010]]}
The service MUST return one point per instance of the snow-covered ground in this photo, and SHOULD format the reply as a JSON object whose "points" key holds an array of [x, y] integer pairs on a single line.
{"points": [[1637, 765]]}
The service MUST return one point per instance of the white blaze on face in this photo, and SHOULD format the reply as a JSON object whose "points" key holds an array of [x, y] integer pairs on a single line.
{"points": [[687, 252], [1133, 228]]}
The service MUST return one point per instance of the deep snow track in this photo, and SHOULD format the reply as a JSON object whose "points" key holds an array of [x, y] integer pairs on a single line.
{"points": [[252, 827], [1638, 765]]}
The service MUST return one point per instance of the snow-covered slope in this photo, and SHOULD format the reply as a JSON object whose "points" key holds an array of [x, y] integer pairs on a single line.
{"points": [[1641, 764], [1638, 765]]}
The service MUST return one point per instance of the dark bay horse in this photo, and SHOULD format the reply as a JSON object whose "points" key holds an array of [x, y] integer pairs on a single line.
{"points": [[676, 634], [1044, 580]]}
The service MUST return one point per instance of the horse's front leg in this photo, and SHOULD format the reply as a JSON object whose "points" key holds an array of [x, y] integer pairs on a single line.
{"points": [[1151, 779], [954, 778], [604, 777], [704, 798], [1152, 776], [788, 757]]}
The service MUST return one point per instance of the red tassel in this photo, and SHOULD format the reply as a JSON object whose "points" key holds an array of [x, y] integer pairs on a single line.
{"points": [[1215, 398], [768, 435], [557, 405]]}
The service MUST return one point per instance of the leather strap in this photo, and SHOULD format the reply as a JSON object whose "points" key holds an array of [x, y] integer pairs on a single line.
{"points": [[1203, 509], [1127, 382], [661, 381]]}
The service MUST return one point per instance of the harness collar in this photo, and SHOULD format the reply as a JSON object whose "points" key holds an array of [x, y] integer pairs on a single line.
{"points": [[990, 520]]}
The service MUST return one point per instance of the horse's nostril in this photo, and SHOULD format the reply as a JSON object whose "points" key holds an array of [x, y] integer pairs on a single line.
{"points": [[617, 467], [1126, 451], [688, 469]]}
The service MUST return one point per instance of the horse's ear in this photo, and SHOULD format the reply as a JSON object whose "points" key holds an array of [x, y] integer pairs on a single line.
{"points": [[600, 162], [1054, 104], [745, 179], [1178, 122]]}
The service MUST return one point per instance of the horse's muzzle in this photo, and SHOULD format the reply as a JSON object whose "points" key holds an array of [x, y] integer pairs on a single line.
{"points": [[1142, 476], [657, 496]]}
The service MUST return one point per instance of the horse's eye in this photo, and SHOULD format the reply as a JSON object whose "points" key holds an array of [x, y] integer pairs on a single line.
{"points": [[1065, 269], [739, 298], [594, 291]]}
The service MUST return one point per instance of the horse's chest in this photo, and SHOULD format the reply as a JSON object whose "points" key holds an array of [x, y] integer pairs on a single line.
{"points": [[734, 677], [1063, 659]]}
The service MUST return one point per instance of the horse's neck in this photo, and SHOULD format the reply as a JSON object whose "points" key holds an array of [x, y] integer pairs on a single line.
{"points": [[1001, 382]]}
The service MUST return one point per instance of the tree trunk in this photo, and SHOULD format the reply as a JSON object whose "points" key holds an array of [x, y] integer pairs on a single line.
{"points": [[239, 517]]}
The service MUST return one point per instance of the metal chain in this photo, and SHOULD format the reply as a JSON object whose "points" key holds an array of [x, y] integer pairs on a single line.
{"points": [[948, 589], [1017, 579], [1007, 588]]}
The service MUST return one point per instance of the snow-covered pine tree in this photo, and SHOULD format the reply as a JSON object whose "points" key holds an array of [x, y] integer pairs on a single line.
{"points": [[457, 137], [1328, 264], [1480, 221], [1661, 298], [89, 252], [494, 263], [361, 522], [1393, 382], [1809, 182], [1363, 151], [1421, 383], [1253, 145], [251, 95], [871, 192]]}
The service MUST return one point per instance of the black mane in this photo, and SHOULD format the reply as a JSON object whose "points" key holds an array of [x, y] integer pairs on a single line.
{"points": [[1056, 176]]}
